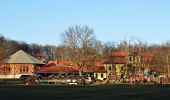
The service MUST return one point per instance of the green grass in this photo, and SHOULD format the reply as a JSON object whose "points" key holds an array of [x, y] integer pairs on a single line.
{"points": [[10, 81], [99, 92]]}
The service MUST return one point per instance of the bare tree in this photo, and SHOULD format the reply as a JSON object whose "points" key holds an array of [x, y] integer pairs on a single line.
{"points": [[36, 49], [82, 45], [49, 50], [2, 48], [108, 47], [162, 55], [61, 54]]}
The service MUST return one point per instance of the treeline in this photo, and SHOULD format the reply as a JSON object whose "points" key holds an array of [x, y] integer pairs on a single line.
{"points": [[87, 49], [8, 47]]}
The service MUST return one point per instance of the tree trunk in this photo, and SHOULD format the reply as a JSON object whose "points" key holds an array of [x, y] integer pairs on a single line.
{"points": [[80, 73]]}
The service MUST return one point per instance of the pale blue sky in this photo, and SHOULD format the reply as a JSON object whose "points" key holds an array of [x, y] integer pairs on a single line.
{"points": [[42, 21]]}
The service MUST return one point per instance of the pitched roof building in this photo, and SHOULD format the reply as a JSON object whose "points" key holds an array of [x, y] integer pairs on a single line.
{"points": [[21, 57], [18, 64]]}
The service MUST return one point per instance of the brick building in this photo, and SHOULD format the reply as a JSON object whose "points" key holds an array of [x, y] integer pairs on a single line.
{"points": [[19, 64]]}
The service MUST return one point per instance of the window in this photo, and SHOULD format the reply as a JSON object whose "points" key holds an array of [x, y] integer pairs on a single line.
{"points": [[6, 69], [122, 68], [101, 75], [130, 58], [96, 75], [24, 69], [110, 67], [3, 69], [21, 69]]}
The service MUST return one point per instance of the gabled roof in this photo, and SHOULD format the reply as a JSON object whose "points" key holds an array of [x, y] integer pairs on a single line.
{"points": [[21, 57]]}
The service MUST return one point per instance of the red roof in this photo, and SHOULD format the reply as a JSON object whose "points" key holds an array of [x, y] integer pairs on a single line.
{"points": [[55, 69], [39, 54], [115, 60], [116, 57], [118, 53], [68, 67], [97, 67], [146, 54], [147, 57], [99, 64]]}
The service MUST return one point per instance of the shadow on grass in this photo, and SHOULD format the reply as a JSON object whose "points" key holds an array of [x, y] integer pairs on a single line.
{"points": [[85, 92]]}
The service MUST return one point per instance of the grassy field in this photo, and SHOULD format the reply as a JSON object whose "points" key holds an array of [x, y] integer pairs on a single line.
{"points": [[104, 92]]}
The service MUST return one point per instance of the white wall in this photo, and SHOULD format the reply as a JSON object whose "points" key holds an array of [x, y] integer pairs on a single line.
{"points": [[98, 76], [12, 76]]}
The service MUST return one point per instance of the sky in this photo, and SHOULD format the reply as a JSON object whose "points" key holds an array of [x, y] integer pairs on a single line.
{"points": [[43, 21]]}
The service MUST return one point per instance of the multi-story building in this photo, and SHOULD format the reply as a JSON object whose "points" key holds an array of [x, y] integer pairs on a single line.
{"points": [[115, 63], [122, 64]]}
